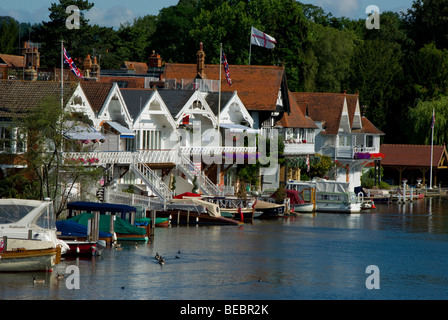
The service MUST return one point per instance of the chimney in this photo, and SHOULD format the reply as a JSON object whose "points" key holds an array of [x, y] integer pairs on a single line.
{"points": [[154, 60], [201, 62]]}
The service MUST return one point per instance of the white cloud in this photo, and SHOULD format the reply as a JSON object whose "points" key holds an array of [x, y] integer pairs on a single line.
{"points": [[339, 8], [110, 17]]}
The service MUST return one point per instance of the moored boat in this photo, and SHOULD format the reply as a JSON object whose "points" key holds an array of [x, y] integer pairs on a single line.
{"points": [[331, 196], [28, 240], [192, 211]]}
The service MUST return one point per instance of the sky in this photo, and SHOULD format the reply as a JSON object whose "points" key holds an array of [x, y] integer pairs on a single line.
{"points": [[112, 13]]}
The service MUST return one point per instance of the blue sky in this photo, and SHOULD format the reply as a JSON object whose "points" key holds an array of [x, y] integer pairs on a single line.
{"points": [[111, 13]]}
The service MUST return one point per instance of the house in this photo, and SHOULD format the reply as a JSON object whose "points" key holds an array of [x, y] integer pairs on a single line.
{"points": [[343, 134], [262, 90], [413, 163], [18, 98], [298, 131]]}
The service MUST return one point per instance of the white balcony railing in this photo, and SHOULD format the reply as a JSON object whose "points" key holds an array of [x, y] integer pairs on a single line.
{"points": [[298, 148]]}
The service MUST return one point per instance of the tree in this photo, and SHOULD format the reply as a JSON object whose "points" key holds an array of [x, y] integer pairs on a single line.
{"points": [[334, 50], [376, 71], [420, 121], [172, 35], [426, 22], [9, 29], [55, 176], [52, 32], [429, 71]]}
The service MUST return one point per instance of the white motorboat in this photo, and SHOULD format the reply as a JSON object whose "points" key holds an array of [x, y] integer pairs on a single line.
{"points": [[331, 196], [28, 240]]}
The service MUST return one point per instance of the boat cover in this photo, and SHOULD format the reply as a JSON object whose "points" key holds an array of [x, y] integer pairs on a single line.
{"points": [[332, 186], [293, 195], [120, 226], [186, 194], [72, 228]]}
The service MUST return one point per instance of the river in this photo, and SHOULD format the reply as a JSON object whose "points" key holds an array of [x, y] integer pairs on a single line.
{"points": [[322, 256]]}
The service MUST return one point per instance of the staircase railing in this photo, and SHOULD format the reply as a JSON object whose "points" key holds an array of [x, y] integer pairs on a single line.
{"points": [[190, 170], [151, 179]]}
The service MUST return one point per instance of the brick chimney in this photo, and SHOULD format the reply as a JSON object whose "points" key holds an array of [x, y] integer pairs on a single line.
{"points": [[201, 62], [155, 61]]}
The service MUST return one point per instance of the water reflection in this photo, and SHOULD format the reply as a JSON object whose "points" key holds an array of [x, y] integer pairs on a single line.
{"points": [[321, 256]]}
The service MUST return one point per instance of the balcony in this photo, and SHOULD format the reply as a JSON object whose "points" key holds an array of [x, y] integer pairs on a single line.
{"points": [[298, 148], [118, 157]]}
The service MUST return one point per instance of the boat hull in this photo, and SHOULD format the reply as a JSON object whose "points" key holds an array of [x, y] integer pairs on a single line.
{"points": [[338, 207], [303, 208], [178, 217], [29, 260], [81, 248]]}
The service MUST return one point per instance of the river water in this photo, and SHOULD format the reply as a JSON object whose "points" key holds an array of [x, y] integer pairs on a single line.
{"points": [[322, 256]]}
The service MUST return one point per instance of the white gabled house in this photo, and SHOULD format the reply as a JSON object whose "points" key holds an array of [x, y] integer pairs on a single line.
{"points": [[343, 134]]}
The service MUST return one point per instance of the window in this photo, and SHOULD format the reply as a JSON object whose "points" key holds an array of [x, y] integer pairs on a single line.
{"points": [[151, 140], [369, 141], [5, 139]]}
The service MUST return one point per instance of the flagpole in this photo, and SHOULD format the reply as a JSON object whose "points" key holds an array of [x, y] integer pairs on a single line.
{"points": [[219, 98], [62, 74], [250, 45], [432, 148]]}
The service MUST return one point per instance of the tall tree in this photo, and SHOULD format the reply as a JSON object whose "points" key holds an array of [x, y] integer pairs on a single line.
{"points": [[9, 31], [52, 32], [55, 178], [426, 22], [376, 69], [172, 35]]}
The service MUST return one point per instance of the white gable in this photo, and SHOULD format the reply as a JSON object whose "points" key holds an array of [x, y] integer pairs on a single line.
{"points": [[79, 103], [155, 112], [344, 124], [234, 112], [197, 108], [114, 108]]}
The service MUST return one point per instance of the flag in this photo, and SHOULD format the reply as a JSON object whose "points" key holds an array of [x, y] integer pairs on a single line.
{"points": [[262, 39], [226, 68], [433, 120], [308, 163], [68, 60]]}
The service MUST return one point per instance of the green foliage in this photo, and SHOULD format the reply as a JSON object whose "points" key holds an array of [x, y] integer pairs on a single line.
{"points": [[280, 194], [392, 68], [53, 177], [420, 117], [9, 28], [195, 185]]}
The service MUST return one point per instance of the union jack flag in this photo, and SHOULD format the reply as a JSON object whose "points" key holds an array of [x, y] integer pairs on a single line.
{"points": [[226, 69], [68, 60]]}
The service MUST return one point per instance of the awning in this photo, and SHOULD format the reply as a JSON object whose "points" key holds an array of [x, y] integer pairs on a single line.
{"points": [[122, 130], [238, 128], [82, 131]]}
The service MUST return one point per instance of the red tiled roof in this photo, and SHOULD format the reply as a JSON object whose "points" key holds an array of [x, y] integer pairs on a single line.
{"points": [[96, 93], [296, 118], [322, 106], [412, 155], [139, 67], [13, 61], [327, 107], [257, 86]]}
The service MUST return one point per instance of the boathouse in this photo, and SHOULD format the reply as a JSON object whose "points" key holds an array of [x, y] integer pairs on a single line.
{"points": [[413, 163]]}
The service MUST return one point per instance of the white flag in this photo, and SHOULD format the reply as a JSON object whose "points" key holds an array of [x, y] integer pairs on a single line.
{"points": [[262, 39]]}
